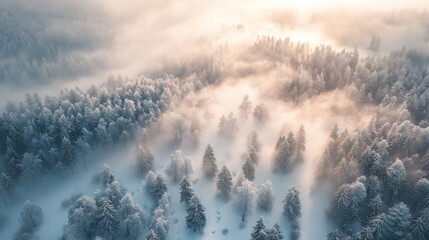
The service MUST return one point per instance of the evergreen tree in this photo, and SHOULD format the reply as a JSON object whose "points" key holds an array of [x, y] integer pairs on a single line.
{"points": [[246, 195], [196, 218], [253, 142], [224, 181], [107, 219], [395, 178], [186, 192], [67, 152], [245, 108], [248, 169], [151, 235], [30, 221], [158, 188], [420, 226], [397, 221], [265, 198], [300, 144], [31, 167], [282, 155], [144, 160], [6, 186], [209, 163], [292, 205], [258, 232], [176, 167]]}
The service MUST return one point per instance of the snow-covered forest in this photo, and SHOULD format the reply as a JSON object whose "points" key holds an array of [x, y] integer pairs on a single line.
{"points": [[167, 120]]}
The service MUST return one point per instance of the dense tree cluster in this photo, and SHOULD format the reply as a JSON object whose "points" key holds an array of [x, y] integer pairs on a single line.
{"points": [[110, 214], [381, 177], [260, 232], [46, 136], [289, 151]]}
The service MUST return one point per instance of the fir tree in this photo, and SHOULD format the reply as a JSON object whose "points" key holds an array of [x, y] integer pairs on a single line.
{"points": [[258, 232], [209, 163], [196, 218], [144, 160], [224, 181], [186, 192], [158, 188], [151, 235], [292, 205], [248, 169], [106, 218]]}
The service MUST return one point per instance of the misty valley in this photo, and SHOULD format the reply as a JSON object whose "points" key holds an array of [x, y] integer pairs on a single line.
{"points": [[242, 134]]}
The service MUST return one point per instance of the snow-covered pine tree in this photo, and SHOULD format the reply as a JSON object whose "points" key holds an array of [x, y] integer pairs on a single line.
{"points": [[224, 181], [176, 167], [196, 218], [151, 235], [158, 187], [248, 169], [186, 192], [6, 186], [258, 232], [246, 195], [30, 221], [265, 196], [300, 144], [106, 219], [420, 226], [209, 162], [245, 108], [292, 205], [144, 160]]}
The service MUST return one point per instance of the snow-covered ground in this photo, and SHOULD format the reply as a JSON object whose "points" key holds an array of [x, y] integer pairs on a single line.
{"points": [[315, 116]]}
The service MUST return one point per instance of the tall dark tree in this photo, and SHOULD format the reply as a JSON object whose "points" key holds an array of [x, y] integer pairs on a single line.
{"points": [[248, 169], [209, 162], [158, 188], [224, 181], [196, 218], [186, 192], [292, 205], [144, 160], [151, 235], [6, 186], [107, 219], [300, 144], [258, 232], [30, 221]]}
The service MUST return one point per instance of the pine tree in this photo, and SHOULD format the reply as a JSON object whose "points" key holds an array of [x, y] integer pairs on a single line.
{"points": [[265, 197], [224, 181], [245, 108], [246, 195], [67, 152], [334, 133], [151, 235], [186, 192], [6, 186], [258, 232], [196, 218], [158, 188], [395, 178], [397, 221], [106, 218], [300, 144], [253, 142], [248, 169], [144, 160], [176, 167], [209, 163], [375, 207], [276, 232], [292, 205], [31, 167], [420, 226], [30, 221]]}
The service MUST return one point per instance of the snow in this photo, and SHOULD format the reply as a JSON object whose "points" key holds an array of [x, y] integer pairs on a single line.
{"points": [[221, 214]]}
